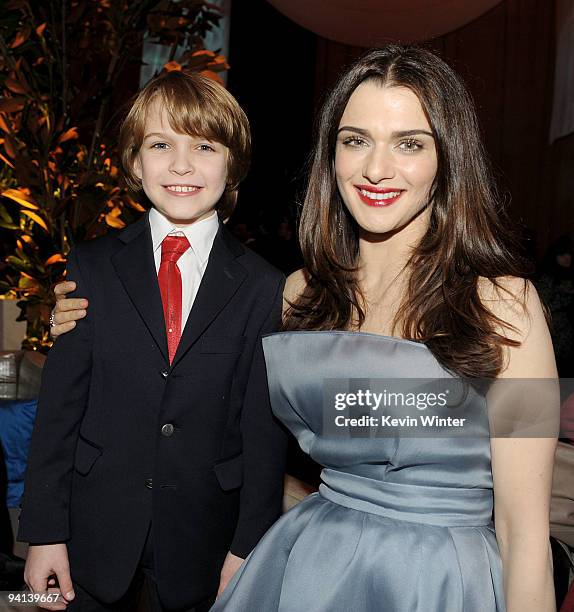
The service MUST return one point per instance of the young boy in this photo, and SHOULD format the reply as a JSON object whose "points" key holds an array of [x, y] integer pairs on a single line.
{"points": [[155, 453]]}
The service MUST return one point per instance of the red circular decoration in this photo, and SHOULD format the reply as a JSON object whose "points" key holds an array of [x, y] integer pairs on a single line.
{"points": [[371, 23]]}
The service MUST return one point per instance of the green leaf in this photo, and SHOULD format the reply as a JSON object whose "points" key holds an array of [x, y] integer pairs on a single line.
{"points": [[5, 216], [19, 264], [9, 226]]}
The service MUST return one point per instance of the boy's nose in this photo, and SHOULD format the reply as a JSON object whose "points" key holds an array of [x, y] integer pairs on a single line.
{"points": [[182, 164]]}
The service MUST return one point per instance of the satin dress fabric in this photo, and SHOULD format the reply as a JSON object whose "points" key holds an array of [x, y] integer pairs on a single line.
{"points": [[399, 524]]}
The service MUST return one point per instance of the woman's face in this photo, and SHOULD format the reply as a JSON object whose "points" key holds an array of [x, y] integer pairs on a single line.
{"points": [[385, 158]]}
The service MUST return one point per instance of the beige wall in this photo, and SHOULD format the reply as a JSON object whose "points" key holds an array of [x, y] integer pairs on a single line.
{"points": [[12, 332]]}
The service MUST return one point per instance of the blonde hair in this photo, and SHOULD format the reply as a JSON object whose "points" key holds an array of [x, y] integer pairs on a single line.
{"points": [[200, 107]]}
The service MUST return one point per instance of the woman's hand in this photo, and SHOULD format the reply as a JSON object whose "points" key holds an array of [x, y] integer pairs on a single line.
{"points": [[67, 310], [231, 564]]}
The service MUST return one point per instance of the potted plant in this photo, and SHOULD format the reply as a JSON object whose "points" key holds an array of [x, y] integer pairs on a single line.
{"points": [[66, 69]]}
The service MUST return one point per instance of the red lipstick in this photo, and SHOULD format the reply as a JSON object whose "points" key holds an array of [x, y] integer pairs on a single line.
{"points": [[377, 196]]}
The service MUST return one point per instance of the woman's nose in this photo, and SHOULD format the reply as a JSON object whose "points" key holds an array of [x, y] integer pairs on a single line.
{"points": [[379, 165]]}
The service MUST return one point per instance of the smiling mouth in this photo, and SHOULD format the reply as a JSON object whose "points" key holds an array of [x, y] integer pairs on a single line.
{"points": [[182, 188], [379, 197]]}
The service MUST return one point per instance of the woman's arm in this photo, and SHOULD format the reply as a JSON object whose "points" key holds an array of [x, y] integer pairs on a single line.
{"points": [[69, 310], [522, 466]]}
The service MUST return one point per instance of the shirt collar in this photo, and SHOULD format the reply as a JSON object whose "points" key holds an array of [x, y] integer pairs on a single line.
{"points": [[200, 234]]}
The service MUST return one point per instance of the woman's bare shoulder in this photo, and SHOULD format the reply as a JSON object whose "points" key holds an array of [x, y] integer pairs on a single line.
{"points": [[515, 303], [294, 287], [513, 300], [295, 284]]}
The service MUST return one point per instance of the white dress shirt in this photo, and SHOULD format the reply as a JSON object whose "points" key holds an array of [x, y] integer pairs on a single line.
{"points": [[193, 262]]}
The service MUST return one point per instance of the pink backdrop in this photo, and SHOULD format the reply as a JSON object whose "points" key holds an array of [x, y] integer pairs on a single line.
{"points": [[366, 23]]}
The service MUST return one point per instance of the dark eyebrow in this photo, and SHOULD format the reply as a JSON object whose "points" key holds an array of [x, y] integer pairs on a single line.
{"points": [[349, 128], [401, 134], [405, 133]]}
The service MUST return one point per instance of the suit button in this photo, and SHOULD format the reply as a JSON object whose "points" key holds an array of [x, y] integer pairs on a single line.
{"points": [[149, 483], [164, 373], [167, 430]]}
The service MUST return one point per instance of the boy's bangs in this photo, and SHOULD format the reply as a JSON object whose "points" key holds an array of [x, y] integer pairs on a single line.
{"points": [[187, 115]]}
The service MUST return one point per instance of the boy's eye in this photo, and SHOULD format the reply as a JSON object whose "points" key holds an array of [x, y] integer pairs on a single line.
{"points": [[159, 145], [410, 145], [206, 147]]}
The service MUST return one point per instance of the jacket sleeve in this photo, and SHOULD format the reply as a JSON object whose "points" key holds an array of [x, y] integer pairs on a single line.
{"points": [[61, 406], [264, 448]]}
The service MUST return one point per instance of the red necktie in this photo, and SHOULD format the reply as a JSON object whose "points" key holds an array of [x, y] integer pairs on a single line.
{"points": [[169, 277]]}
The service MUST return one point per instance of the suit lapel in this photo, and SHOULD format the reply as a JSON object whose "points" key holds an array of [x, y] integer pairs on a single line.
{"points": [[135, 266], [223, 277]]}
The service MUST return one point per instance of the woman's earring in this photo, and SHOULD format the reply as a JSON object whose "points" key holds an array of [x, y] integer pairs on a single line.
{"points": [[340, 228]]}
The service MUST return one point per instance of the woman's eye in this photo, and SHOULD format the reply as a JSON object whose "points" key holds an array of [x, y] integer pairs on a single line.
{"points": [[159, 146], [354, 141], [410, 145]]}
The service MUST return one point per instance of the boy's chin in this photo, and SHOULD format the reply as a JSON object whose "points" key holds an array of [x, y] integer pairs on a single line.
{"points": [[180, 218]]}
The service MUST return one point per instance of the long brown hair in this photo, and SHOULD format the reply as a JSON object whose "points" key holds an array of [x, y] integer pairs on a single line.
{"points": [[464, 240]]}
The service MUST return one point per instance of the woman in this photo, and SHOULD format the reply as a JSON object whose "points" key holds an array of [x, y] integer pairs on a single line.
{"points": [[406, 276]]}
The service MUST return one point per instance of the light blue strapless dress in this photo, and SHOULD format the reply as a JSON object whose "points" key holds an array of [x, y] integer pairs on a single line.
{"points": [[400, 524]]}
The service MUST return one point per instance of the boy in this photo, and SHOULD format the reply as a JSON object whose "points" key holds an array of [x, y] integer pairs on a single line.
{"points": [[155, 453]]}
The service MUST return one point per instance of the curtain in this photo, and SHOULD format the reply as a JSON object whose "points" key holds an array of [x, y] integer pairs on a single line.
{"points": [[563, 105]]}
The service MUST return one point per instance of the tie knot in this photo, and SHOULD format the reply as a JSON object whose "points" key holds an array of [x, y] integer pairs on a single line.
{"points": [[173, 247]]}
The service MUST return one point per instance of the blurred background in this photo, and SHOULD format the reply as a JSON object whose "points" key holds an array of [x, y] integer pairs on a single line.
{"points": [[68, 70]]}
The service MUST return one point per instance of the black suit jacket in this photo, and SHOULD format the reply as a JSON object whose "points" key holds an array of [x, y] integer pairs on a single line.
{"points": [[122, 439]]}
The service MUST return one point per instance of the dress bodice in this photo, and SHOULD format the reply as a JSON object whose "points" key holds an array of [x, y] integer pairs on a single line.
{"points": [[448, 465], [401, 522]]}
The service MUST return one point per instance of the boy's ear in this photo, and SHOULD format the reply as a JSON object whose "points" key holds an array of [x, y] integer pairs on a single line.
{"points": [[137, 167]]}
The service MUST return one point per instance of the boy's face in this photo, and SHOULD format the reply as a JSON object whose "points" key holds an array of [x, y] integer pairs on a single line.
{"points": [[183, 176]]}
